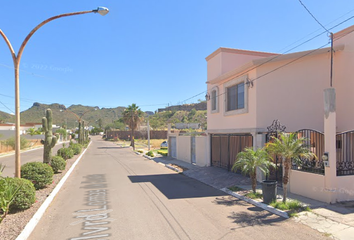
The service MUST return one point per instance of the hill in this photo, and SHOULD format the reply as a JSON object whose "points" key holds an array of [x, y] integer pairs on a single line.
{"points": [[160, 120], [4, 116], [69, 116]]}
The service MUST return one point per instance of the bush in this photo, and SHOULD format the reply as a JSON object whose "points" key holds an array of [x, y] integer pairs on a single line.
{"points": [[11, 142], [140, 151], [163, 148], [65, 153], [40, 174], [163, 153], [57, 163], [150, 154], [25, 195], [76, 147]]}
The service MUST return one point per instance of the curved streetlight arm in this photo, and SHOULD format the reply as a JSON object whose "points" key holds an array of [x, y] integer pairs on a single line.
{"points": [[77, 117], [19, 54], [9, 45]]}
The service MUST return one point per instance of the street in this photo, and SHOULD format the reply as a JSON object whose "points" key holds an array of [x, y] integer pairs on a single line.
{"points": [[115, 194], [35, 155]]}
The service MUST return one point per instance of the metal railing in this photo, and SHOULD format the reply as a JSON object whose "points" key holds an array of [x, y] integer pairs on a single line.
{"points": [[315, 143], [345, 153]]}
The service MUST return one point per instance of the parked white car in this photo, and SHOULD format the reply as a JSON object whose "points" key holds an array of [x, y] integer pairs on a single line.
{"points": [[164, 144]]}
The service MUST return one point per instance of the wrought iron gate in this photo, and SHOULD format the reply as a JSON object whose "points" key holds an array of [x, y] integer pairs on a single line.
{"points": [[273, 132]]}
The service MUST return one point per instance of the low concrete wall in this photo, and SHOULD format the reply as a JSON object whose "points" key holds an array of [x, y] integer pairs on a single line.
{"points": [[308, 185], [184, 148], [345, 189], [200, 151]]}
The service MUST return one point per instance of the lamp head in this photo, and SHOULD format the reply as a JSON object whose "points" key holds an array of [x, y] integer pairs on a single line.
{"points": [[101, 10]]}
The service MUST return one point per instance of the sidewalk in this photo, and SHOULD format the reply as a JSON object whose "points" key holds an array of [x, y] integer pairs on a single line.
{"points": [[335, 220]]}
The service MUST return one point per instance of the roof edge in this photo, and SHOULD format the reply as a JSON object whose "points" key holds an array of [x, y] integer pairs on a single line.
{"points": [[239, 51]]}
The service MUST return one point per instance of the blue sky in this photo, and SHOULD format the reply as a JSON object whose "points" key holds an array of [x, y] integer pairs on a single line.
{"points": [[151, 53]]}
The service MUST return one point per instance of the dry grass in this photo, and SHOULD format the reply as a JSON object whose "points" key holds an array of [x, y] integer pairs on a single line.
{"points": [[154, 143], [32, 143]]}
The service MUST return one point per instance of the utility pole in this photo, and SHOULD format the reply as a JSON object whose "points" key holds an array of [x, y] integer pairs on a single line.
{"points": [[148, 130]]}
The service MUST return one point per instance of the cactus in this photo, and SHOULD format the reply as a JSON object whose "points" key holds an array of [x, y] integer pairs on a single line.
{"points": [[50, 140], [81, 132]]}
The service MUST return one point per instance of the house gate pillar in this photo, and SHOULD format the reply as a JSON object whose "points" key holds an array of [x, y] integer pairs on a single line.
{"points": [[330, 144], [259, 140]]}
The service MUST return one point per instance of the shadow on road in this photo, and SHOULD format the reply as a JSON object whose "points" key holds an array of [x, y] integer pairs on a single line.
{"points": [[257, 216], [177, 186], [230, 201]]}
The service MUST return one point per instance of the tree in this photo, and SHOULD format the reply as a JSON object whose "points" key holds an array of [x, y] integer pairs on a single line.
{"points": [[99, 122], [32, 131], [249, 160], [290, 148], [133, 116]]}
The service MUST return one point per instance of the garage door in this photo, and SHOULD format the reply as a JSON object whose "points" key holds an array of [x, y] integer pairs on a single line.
{"points": [[225, 147]]}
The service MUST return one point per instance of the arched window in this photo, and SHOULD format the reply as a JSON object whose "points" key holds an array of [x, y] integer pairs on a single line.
{"points": [[214, 98]]}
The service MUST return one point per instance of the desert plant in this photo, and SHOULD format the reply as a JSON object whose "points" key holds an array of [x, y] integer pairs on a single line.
{"points": [[58, 163], [40, 174], [50, 140], [11, 142], [162, 152], [249, 160], [25, 195], [65, 153], [290, 148], [7, 195], [76, 147], [150, 154]]}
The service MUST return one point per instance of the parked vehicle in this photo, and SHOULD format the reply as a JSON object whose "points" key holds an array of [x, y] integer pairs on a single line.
{"points": [[164, 144]]}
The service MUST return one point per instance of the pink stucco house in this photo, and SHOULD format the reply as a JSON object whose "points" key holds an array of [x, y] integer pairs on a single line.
{"points": [[248, 90]]}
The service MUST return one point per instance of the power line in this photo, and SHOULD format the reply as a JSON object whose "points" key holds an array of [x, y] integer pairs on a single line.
{"points": [[313, 16]]}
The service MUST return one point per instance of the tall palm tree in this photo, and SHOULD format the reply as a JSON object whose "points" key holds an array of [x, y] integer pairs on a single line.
{"points": [[249, 160], [290, 148], [133, 116]]}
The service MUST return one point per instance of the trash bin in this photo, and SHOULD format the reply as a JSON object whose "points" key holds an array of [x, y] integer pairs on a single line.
{"points": [[269, 189]]}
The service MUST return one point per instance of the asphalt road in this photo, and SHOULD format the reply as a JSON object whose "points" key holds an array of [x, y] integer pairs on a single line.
{"points": [[35, 155], [115, 194]]}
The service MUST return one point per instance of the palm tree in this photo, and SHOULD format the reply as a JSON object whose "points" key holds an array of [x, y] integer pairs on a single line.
{"points": [[290, 148], [249, 160], [133, 116]]}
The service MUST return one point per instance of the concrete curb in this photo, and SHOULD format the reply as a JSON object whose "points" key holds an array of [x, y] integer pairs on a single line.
{"points": [[257, 204], [26, 232], [172, 168]]}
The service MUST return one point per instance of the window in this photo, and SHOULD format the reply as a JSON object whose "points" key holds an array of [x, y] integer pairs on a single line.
{"points": [[235, 97], [214, 98]]}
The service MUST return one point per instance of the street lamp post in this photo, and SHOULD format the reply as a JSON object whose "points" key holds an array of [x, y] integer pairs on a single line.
{"points": [[16, 60], [78, 118]]}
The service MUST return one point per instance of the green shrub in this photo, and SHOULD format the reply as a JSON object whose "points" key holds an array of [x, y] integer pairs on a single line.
{"points": [[163, 153], [25, 195], [57, 163], [76, 147], [11, 142], [65, 153], [150, 154], [163, 148], [140, 151], [40, 174]]}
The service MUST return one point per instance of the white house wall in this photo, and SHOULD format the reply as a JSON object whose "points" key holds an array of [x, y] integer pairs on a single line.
{"points": [[184, 148]]}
